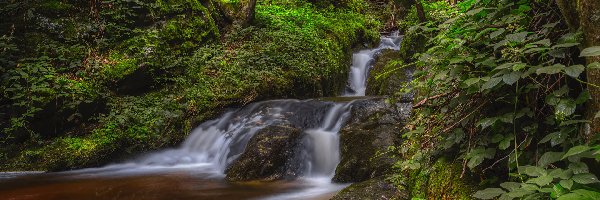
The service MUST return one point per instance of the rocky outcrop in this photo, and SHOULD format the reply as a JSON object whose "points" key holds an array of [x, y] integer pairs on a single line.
{"points": [[374, 126], [272, 154], [373, 189]]}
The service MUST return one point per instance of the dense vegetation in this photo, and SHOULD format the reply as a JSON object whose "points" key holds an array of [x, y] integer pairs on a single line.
{"points": [[502, 91], [85, 83]]}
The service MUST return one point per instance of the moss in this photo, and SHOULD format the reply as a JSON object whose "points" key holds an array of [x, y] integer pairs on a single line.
{"points": [[441, 180], [55, 6], [118, 67]]}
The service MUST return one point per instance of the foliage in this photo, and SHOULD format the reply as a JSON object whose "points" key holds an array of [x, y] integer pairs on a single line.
{"points": [[501, 84]]}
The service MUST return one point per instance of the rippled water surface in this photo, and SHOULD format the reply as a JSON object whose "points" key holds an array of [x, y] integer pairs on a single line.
{"points": [[153, 183]]}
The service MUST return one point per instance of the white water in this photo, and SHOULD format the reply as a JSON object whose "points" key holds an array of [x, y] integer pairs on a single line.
{"points": [[363, 61]]}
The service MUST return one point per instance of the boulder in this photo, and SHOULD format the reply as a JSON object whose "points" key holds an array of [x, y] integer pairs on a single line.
{"points": [[373, 189], [271, 154], [374, 125]]}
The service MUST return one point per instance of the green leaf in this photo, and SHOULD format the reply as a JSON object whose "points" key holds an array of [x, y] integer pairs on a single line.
{"points": [[566, 183], [571, 196], [576, 150], [548, 137], [519, 193], [475, 161], [519, 66], [594, 65], [510, 186], [554, 69], [586, 178], [484, 123], [544, 42], [588, 193], [488, 193], [505, 143], [590, 51], [471, 81], [533, 171], [517, 37], [474, 11], [565, 107], [530, 187], [491, 83], [583, 97], [541, 181], [497, 33], [574, 70], [560, 173], [579, 167], [549, 157], [497, 138], [512, 77]]}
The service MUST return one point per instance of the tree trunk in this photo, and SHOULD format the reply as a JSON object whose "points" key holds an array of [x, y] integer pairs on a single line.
{"points": [[584, 15], [240, 13], [420, 11], [590, 24], [248, 7]]}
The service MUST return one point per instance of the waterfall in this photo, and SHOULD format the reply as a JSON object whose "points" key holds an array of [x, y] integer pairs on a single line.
{"points": [[362, 62]]}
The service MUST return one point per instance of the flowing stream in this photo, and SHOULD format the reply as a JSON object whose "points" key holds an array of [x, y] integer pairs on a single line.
{"points": [[195, 170]]}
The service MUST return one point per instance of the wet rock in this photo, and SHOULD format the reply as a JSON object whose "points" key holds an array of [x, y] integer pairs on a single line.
{"points": [[373, 189], [271, 154], [374, 125]]}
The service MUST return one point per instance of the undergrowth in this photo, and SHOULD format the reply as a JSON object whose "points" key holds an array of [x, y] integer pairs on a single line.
{"points": [[501, 89]]}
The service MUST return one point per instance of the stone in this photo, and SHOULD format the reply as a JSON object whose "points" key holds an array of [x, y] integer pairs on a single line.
{"points": [[373, 127], [271, 154]]}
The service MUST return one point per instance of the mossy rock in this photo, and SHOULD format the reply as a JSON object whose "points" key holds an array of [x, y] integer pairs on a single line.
{"points": [[373, 127], [271, 154], [386, 76], [413, 42], [376, 188], [442, 180]]}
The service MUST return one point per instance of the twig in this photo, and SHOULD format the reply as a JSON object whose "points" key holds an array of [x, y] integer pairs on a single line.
{"points": [[430, 98]]}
